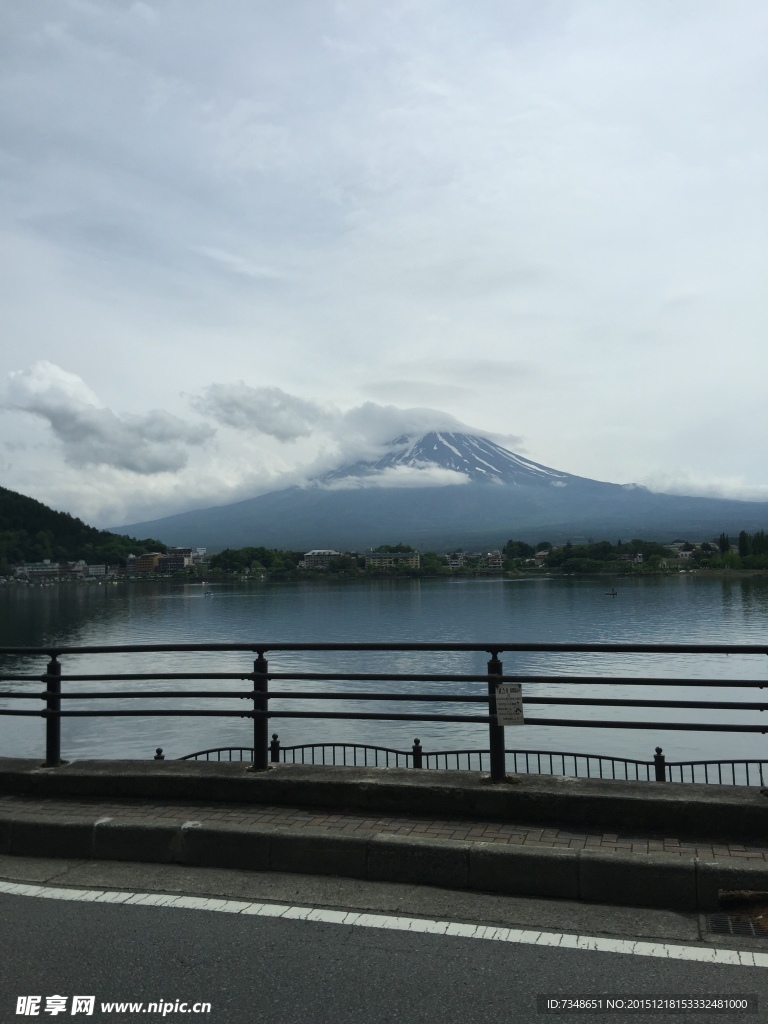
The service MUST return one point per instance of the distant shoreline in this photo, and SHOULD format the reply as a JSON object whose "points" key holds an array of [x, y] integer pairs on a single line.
{"points": [[316, 577]]}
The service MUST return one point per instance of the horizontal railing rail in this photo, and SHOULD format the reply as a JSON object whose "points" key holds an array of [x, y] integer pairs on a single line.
{"points": [[574, 647], [57, 706]]}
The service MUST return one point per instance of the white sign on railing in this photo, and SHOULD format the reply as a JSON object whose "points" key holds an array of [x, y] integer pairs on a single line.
{"points": [[509, 704]]}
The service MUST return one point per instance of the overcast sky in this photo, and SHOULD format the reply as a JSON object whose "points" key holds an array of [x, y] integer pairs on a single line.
{"points": [[245, 240]]}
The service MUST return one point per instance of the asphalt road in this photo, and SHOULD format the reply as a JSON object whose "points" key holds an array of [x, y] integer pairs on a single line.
{"points": [[254, 969]]}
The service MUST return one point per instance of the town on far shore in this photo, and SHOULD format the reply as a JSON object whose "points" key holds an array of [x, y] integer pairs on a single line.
{"points": [[748, 552]]}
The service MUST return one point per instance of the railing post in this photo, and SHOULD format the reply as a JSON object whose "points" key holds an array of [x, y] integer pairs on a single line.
{"points": [[495, 731], [260, 722], [274, 749], [659, 763], [417, 752], [159, 755], [52, 720]]}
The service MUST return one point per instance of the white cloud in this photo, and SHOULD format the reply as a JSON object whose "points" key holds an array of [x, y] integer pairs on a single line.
{"points": [[49, 386], [683, 482], [379, 424], [399, 476], [91, 435], [360, 432], [266, 410]]}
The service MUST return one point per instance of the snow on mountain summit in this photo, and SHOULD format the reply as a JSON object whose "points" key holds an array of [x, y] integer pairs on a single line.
{"points": [[475, 457]]}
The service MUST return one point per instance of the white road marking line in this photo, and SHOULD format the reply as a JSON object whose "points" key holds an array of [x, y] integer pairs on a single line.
{"points": [[666, 950]]}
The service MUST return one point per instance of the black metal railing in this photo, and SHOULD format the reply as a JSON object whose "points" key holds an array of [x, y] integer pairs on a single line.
{"points": [[739, 772], [261, 692], [345, 754]]}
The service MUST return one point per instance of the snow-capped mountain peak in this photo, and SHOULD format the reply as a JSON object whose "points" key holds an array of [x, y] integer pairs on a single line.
{"points": [[475, 457]]}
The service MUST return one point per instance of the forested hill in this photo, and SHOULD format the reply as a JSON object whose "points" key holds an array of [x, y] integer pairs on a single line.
{"points": [[31, 532]]}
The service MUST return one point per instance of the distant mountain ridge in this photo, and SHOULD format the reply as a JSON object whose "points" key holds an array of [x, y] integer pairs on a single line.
{"points": [[487, 496]]}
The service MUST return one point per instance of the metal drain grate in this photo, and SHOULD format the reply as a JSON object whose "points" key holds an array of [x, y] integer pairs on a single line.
{"points": [[735, 924]]}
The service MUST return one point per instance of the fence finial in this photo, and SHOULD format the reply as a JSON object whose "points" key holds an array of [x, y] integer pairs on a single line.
{"points": [[274, 749], [159, 755], [417, 752]]}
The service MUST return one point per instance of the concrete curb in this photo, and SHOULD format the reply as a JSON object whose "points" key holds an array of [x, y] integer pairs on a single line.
{"points": [[730, 813], [684, 883], [640, 880]]}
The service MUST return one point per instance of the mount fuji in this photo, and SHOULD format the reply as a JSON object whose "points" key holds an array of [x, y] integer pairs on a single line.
{"points": [[475, 458], [443, 491]]}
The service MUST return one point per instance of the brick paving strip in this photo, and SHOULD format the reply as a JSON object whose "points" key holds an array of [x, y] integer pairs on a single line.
{"points": [[361, 825]]}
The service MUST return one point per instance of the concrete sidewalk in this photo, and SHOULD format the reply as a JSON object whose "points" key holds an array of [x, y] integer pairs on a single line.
{"points": [[304, 833]]}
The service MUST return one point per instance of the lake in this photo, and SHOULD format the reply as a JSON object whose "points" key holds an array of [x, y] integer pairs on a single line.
{"points": [[686, 608]]}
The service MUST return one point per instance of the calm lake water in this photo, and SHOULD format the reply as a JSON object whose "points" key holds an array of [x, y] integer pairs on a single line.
{"points": [[681, 609]]}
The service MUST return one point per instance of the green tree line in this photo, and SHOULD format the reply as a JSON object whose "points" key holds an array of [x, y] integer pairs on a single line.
{"points": [[254, 558], [31, 532], [751, 552]]}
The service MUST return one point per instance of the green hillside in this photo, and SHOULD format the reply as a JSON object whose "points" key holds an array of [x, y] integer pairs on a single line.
{"points": [[32, 532]]}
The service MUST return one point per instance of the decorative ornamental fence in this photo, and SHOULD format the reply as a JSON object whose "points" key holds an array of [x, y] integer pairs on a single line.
{"points": [[266, 685], [527, 762]]}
